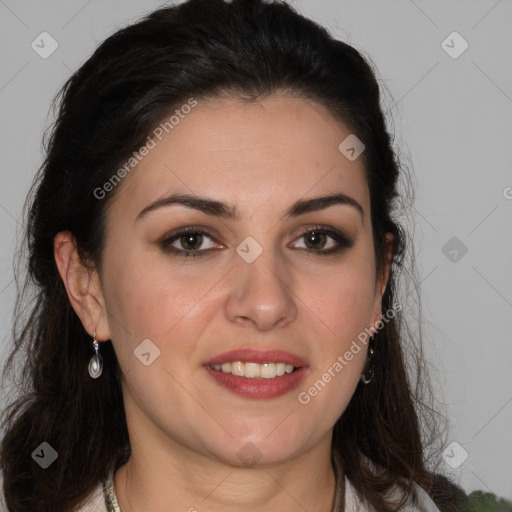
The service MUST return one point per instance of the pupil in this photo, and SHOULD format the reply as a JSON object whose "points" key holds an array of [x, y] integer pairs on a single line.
{"points": [[188, 241], [314, 238]]}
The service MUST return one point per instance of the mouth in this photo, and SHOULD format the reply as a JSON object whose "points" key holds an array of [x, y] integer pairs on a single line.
{"points": [[251, 370], [257, 374]]}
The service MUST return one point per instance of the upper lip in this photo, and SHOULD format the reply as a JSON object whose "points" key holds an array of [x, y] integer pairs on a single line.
{"points": [[258, 356]]}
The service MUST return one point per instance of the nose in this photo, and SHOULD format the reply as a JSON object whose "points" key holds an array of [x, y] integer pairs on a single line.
{"points": [[261, 293]]}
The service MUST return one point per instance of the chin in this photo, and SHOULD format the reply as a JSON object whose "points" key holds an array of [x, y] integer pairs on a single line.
{"points": [[258, 451]]}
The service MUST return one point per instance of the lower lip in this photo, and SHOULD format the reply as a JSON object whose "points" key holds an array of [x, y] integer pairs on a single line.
{"points": [[258, 388]]}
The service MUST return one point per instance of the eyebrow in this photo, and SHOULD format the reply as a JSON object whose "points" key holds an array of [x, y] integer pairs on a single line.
{"points": [[230, 212]]}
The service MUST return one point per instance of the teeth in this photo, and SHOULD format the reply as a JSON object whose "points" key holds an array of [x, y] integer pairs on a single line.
{"points": [[268, 371], [236, 368], [254, 370]]}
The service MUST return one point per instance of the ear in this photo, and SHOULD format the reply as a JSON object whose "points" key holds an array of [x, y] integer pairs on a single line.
{"points": [[82, 285], [382, 279]]}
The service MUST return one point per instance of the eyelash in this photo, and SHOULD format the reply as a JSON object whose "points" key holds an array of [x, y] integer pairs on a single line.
{"points": [[344, 242]]}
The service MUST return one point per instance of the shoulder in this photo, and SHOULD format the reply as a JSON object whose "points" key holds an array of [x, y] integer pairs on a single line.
{"points": [[3, 506], [424, 502], [95, 501]]}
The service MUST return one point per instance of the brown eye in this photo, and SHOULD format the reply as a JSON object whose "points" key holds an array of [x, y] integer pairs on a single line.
{"points": [[315, 239], [191, 241], [323, 241], [188, 242]]}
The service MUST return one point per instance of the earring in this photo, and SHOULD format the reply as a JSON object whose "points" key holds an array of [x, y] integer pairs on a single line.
{"points": [[368, 373], [96, 362]]}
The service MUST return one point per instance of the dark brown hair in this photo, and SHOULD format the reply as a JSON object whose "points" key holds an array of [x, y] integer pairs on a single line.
{"points": [[106, 110]]}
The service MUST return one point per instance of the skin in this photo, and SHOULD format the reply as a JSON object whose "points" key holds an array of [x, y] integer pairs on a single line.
{"points": [[186, 430]]}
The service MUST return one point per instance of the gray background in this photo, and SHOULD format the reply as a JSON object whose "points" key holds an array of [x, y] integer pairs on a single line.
{"points": [[453, 123]]}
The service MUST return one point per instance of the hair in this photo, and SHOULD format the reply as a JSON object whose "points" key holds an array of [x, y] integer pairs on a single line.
{"points": [[203, 49]]}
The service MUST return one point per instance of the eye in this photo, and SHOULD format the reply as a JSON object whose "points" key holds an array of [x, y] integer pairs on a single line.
{"points": [[190, 242], [187, 242], [322, 241]]}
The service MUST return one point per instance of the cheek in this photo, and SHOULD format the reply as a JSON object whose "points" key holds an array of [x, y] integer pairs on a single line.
{"points": [[342, 299], [150, 299], [145, 300], [342, 313], [342, 306]]}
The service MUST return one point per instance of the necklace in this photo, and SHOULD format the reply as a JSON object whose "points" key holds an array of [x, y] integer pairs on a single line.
{"points": [[339, 497]]}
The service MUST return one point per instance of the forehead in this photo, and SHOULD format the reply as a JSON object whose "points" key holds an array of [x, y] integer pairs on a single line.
{"points": [[276, 149]]}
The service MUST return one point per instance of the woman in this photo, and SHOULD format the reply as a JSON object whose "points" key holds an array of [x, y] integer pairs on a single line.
{"points": [[212, 237]]}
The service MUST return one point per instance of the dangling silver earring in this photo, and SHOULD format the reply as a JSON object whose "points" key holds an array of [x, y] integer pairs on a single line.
{"points": [[368, 373], [96, 362]]}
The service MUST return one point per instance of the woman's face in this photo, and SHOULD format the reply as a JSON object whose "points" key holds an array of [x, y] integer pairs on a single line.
{"points": [[177, 303]]}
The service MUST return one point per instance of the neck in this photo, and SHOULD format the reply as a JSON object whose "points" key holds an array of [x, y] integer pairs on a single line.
{"points": [[182, 480]]}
